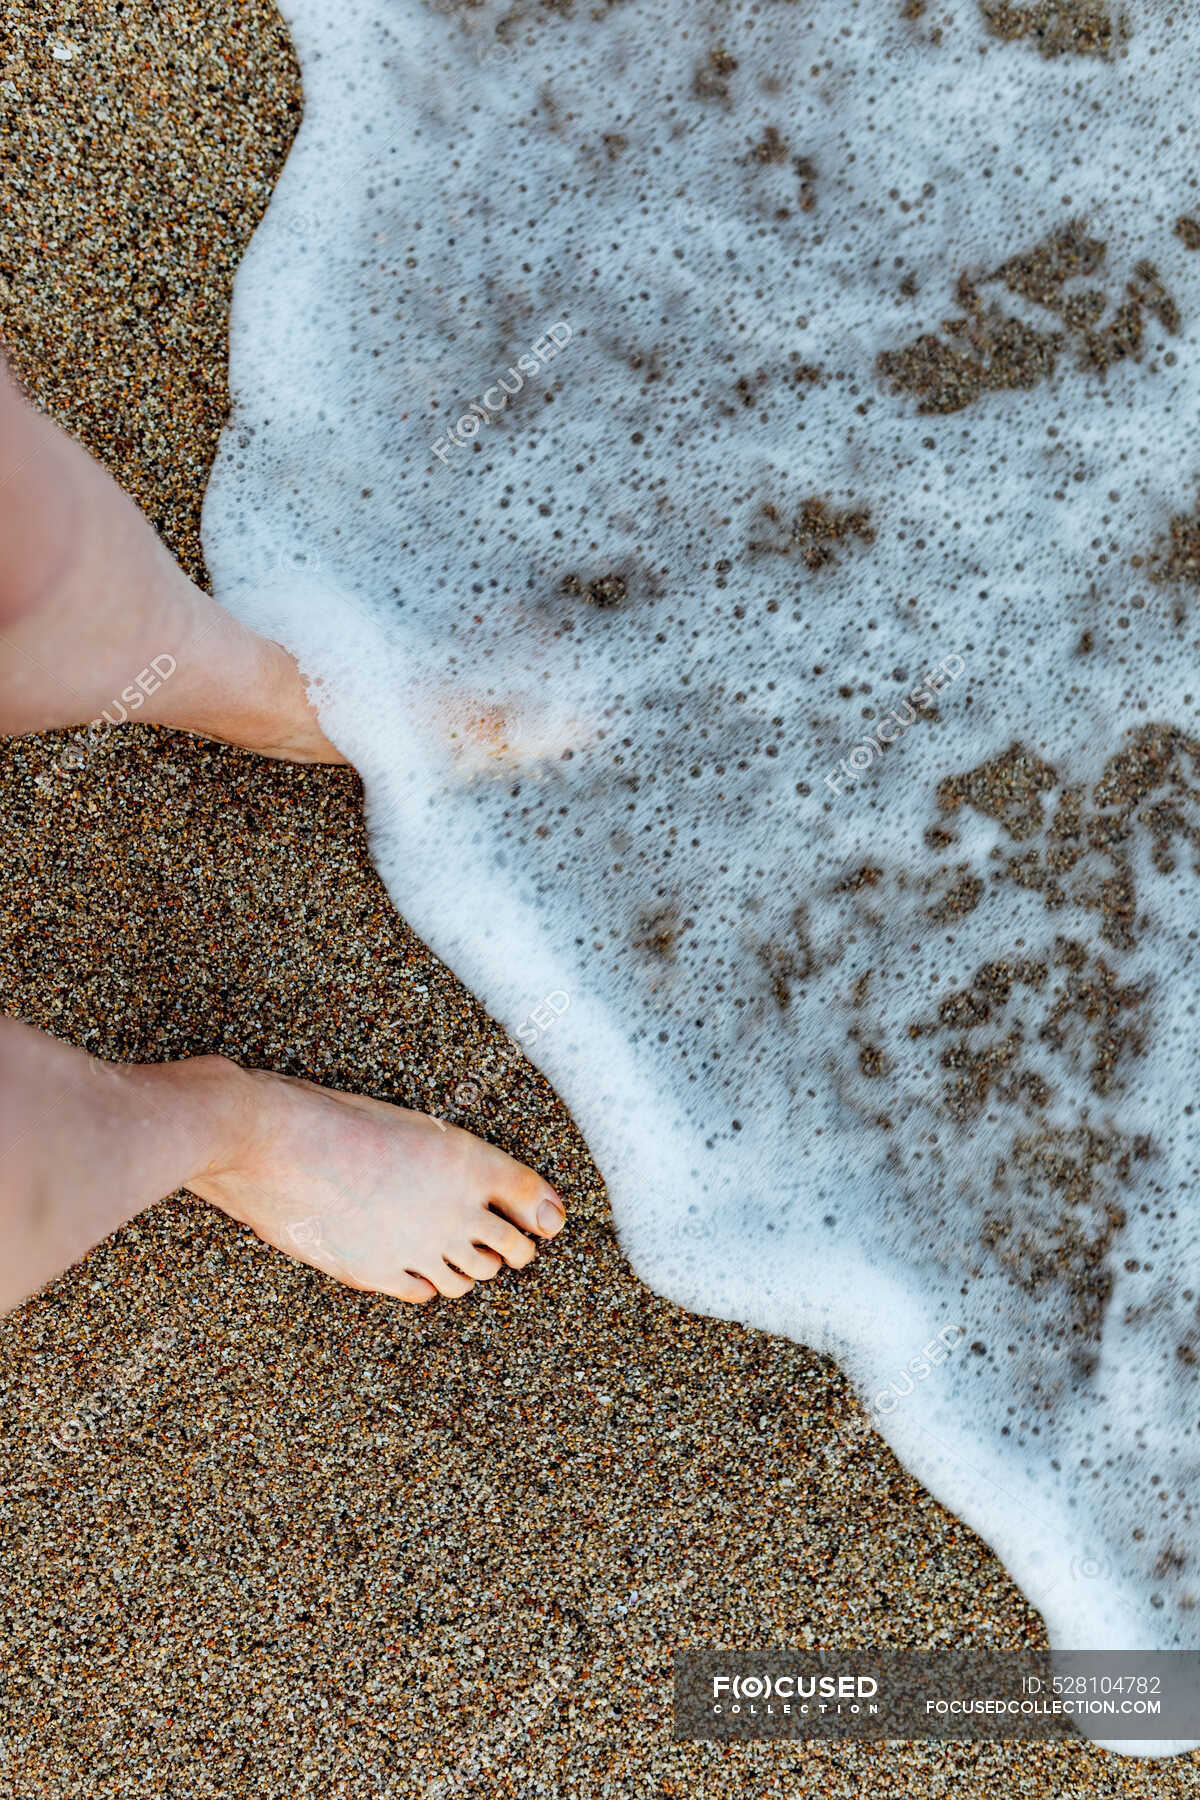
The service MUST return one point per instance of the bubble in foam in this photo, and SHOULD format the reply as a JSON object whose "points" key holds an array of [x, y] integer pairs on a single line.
{"points": [[794, 669]]}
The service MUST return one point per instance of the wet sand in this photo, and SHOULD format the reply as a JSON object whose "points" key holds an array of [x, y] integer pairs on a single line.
{"points": [[322, 1542]]}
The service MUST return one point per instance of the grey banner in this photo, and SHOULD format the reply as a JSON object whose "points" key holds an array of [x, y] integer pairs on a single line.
{"points": [[970, 1695]]}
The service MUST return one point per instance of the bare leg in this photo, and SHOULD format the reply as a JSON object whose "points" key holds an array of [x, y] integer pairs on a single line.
{"points": [[374, 1194], [380, 1197], [90, 597]]}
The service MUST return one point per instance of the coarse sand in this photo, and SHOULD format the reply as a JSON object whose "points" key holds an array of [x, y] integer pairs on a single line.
{"points": [[319, 1542]]}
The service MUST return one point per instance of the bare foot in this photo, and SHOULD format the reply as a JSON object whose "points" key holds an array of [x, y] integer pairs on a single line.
{"points": [[377, 1196], [374, 1195], [93, 614], [94, 609]]}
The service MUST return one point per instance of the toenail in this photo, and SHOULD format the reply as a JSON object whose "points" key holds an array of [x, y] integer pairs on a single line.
{"points": [[550, 1217]]}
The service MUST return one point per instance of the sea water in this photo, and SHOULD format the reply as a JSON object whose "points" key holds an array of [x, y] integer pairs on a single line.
{"points": [[729, 471]]}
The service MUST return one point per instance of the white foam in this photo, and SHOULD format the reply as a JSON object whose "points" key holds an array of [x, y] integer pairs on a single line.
{"points": [[618, 827]]}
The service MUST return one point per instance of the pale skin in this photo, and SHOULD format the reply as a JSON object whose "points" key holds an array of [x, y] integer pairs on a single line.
{"points": [[379, 1197]]}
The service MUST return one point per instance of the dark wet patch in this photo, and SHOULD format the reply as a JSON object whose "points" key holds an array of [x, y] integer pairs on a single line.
{"points": [[1007, 788], [788, 959], [1012, 1044], [986, 350], [711, 80], [1178, 558], [814, 532], [1056, 1217], [604, 591], [1057, 27]]}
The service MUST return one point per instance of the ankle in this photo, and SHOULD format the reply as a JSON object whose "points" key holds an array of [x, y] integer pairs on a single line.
{"points": [[214, 1106], [39, 511]]}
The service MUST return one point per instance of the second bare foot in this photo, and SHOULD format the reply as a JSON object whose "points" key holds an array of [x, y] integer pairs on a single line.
{"points": [[93, 609], [375, 1195]]}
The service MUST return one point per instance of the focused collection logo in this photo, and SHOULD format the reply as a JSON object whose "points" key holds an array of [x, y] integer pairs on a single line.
{"points": [[793, 1692]]}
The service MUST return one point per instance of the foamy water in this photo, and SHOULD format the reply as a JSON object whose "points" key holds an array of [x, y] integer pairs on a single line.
{"points": [[673, 655]]}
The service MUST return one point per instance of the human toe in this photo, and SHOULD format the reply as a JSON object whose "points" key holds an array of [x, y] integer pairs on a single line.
{"points": [[529, 1202], [500, 1235], [476, 1260], [415, 1289]]}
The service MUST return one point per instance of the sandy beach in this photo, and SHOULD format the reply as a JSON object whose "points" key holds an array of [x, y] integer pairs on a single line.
{"points": [[322, 1542]]}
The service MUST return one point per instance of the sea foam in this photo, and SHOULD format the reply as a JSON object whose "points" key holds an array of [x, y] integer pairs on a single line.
{"points": [[796, 669]]}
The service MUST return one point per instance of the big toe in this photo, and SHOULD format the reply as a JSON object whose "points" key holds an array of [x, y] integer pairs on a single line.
{"points": [[522, 1196]]}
